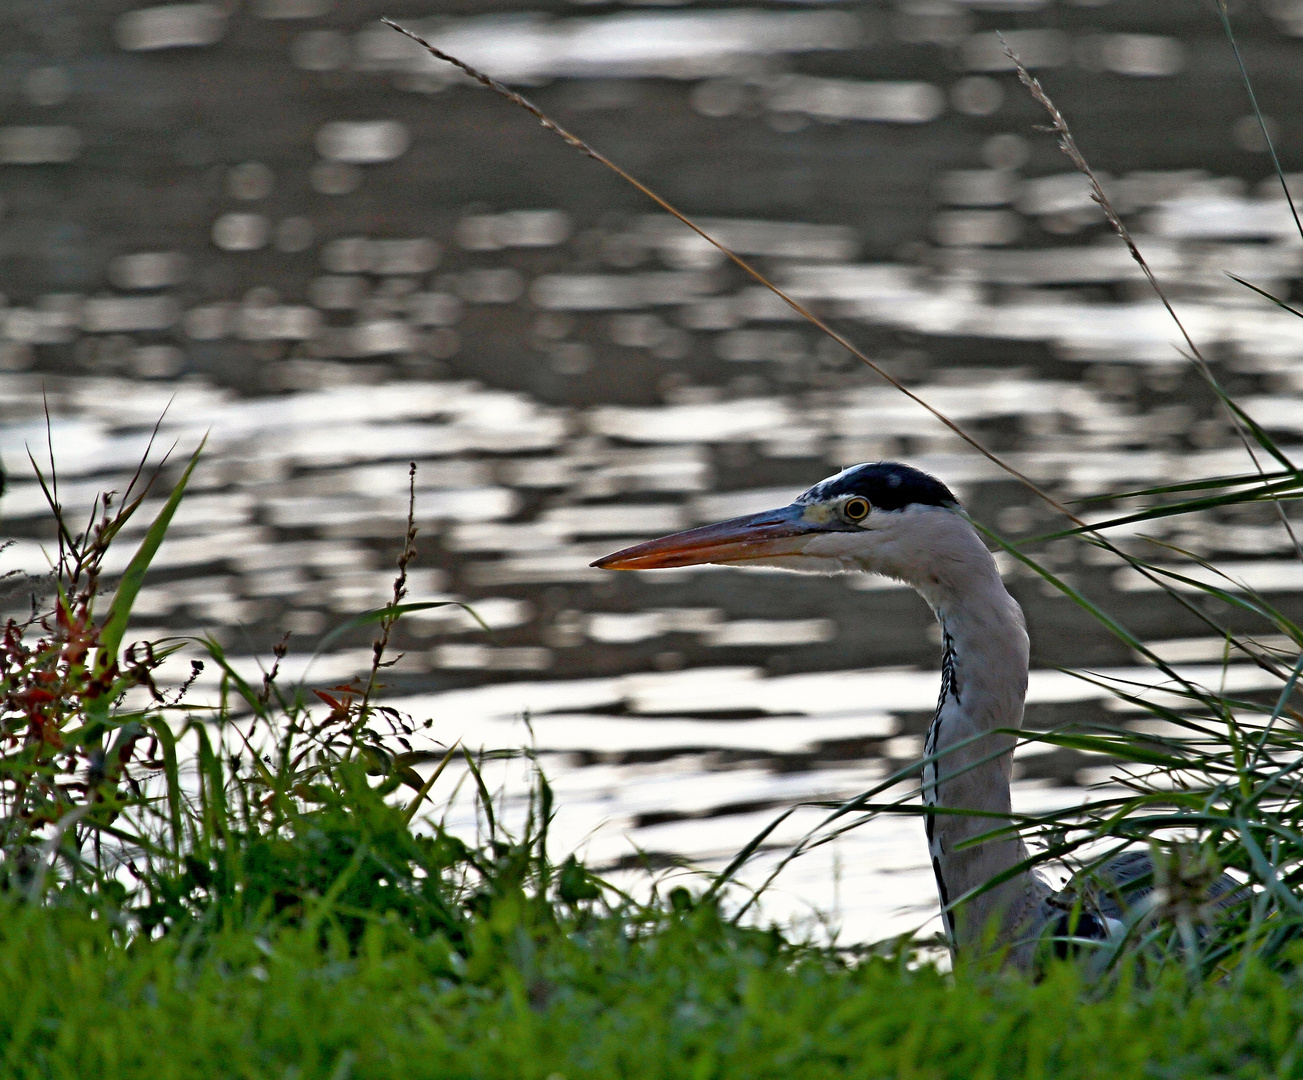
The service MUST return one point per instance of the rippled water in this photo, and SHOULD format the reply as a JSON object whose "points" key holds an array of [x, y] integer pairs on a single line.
{"points": [[570, 374]]}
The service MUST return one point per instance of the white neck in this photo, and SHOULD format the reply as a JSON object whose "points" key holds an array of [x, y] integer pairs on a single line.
{"points": [[984, 685], [939, 553]]}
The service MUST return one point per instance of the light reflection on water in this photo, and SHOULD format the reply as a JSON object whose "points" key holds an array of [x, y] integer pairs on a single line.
{"points": [[294, 494], [297, 497]]}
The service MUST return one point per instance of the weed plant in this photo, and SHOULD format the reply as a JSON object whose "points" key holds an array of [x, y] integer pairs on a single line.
{"points": [[162, 816]]}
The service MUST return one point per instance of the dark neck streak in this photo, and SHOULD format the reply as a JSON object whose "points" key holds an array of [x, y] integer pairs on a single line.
{"points": [[983, 683], [950, 688]]}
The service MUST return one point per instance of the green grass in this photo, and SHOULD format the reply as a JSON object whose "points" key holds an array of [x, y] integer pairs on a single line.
{"points": [[693, 998]]}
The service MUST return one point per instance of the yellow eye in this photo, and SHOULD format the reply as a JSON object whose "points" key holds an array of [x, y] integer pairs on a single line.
{"points": [[856, 509]]}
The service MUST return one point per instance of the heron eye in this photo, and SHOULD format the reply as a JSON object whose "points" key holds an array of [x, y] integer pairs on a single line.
{"points": [[856, 509]]}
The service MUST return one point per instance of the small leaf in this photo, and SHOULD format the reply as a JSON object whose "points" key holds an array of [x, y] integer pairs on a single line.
{"points": [[574, 884], [424, 789]]}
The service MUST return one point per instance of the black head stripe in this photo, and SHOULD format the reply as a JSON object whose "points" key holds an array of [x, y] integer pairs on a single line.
{"points": [[888, 485]]}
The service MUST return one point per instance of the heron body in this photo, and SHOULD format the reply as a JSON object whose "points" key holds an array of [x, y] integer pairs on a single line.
{"points": [[890, 519]]}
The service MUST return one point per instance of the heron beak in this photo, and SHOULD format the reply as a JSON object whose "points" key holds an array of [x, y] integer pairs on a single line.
{"points": [[767, 535]]}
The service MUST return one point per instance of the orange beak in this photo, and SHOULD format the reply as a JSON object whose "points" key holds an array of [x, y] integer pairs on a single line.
{"points": [[767, 535]]}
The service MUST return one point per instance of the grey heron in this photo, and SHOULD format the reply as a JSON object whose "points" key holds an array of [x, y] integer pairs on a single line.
{"points": [[891, 519]]}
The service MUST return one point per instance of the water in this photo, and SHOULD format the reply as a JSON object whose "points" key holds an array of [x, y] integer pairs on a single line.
{"points": [[345, 261]]}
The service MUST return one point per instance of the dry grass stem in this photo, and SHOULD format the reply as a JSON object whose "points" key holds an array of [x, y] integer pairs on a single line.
{"points": [[579, 144], [1224, 12], [583, 147], [405, 557], [1068, 144]]}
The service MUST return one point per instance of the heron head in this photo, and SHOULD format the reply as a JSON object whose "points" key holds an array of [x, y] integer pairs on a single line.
{"points": [[882, 517]]}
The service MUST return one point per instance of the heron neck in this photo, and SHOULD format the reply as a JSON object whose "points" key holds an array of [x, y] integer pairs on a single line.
{"points": [[983, 689]]}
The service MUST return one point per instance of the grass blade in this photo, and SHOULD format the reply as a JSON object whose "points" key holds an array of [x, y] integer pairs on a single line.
{"points": [[115, 624], [1263, 292], [393, 610]]}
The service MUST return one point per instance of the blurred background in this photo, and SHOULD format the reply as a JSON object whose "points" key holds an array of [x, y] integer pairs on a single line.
{"points": [[291, 229]]}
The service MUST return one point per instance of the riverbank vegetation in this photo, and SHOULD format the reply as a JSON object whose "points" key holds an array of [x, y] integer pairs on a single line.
{"points": [[259, 885]]}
